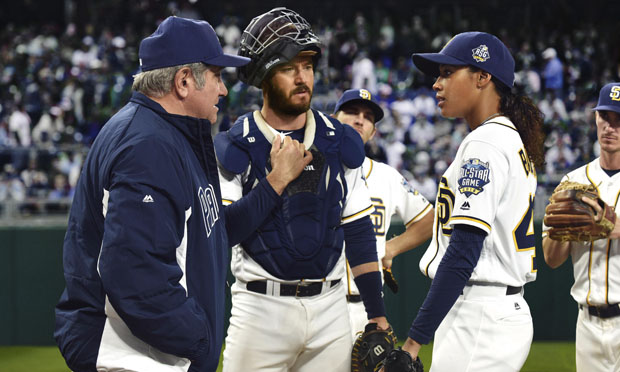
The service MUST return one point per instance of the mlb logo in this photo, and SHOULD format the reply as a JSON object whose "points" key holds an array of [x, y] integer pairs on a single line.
{"points": [[481, 53]]}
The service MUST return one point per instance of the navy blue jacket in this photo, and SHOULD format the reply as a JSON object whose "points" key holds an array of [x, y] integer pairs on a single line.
{"points": [[145, 253]]}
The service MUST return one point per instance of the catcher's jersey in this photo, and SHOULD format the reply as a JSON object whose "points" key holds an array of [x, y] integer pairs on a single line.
{"points": [[390, 194], [356, 206], [596, 265], [491, 185]]}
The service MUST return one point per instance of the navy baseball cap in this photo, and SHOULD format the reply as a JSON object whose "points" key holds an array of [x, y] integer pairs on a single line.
{"points": [[179, 41], [478, 49], [609, 98], [362, 96]]}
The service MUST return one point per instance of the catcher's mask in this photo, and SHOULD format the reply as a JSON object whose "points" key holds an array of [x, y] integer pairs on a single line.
{"points": [[274, 38]]}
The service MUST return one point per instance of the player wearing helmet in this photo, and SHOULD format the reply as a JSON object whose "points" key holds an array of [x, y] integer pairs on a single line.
{"points": [[289, 310]]}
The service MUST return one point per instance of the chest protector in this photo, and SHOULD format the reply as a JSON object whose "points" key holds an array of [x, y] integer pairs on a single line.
{"points": [[302, 239]]}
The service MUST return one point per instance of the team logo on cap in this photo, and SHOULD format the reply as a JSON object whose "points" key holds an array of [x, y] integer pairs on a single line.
{"points": [[364, 94], [481, 53], [474, 175], [615, 93]]}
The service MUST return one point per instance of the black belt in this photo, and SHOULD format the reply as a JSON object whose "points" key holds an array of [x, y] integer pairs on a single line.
{"points": [[301, 289], [604, 311], [510, 290], [354, 298]]}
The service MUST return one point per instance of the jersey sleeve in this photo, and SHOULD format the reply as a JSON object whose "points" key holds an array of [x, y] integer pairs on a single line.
{"points": [[479, 185], [357, 202], [138, 259], [231, 184], [409, 204]]}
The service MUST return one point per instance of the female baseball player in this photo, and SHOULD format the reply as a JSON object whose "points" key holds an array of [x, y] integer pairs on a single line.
{"points": [[482, 252]]}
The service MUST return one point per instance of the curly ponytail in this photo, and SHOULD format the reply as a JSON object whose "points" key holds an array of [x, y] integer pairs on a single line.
{"points": [[528, 119]]}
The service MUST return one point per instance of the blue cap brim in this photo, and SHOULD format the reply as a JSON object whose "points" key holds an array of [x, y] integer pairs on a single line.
{"points": [[227, 60], [607, 108], [429, 63]]}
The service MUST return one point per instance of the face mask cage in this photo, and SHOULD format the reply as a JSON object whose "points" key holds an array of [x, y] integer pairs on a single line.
{"points": [[285, 24]]}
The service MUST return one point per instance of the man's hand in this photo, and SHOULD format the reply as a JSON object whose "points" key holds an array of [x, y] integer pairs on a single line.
{"points": [[289, 157]]}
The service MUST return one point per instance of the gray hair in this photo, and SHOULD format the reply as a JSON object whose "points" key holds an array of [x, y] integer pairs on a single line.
{"points": [[157, 83]]}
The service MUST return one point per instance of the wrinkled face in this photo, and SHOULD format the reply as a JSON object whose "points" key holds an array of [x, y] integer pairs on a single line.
{"points": [[289, 89], [201, 103], [360, 117], [608, 131], [455, 87]]}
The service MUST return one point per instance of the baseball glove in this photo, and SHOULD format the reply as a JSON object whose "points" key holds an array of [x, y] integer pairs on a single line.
{"points": [[371, 348], [390, 280], [399, 360], [570, 219]]}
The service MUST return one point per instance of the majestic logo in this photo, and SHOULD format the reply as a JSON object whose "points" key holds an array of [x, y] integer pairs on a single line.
{"points": [[210, 207], [148, 199], [615, 93], [474, 175], [364, 94], [271, 63], [481, 53], [465, 206]]}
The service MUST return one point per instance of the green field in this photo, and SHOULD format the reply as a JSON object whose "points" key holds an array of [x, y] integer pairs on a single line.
{"points": [[544, 357]]}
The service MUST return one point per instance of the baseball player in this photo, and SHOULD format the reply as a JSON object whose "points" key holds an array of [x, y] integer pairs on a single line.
{"points": [[390, 194], [289, 311], [596, 265], [482, 251]]}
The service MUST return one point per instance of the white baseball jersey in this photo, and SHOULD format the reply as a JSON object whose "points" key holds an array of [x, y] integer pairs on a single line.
{"points": [[390, 194], [491, 185], [356, 206], [596, 265]]}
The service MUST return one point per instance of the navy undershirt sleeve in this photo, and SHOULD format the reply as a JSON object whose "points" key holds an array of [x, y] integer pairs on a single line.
{"points": [[453, 272], [245, 215], [360, 242]]}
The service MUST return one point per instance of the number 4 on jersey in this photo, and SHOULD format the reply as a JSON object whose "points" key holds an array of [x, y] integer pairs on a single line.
{"points": [[523, 234]]}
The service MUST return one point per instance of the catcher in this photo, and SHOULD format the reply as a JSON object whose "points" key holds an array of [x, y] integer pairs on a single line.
{"points": [[580, 221]]}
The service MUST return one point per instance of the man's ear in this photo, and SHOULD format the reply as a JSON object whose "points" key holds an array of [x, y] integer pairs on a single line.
{"points": [[181, 82]]}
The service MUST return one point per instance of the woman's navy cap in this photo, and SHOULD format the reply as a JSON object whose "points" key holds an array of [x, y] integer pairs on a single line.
{"points": [[362, 96], [478, 49], [179, 41], [609, 98]]}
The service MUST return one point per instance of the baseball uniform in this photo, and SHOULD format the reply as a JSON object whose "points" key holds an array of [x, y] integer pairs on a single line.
{"points": [[490, 185], [596, 267], [390, 194]]}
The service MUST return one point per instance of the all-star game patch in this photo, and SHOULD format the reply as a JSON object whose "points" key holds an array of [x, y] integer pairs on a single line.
{"points": [[473, 177]]}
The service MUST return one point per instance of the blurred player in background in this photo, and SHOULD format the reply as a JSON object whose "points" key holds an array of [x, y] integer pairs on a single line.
{"points": [[596, 265], [390, 194], [483, 246], [288, 308], [145, 252]]}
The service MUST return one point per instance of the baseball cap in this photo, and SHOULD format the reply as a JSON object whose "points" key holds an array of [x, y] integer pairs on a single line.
{"points": [[362, 96], [609, 98], [473, 48], [178, 41]]}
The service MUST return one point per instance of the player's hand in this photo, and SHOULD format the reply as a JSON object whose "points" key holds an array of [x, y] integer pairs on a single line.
{"points": [[412, 347], [615, 233], [289, 157], [381, 321], [386, 261]]}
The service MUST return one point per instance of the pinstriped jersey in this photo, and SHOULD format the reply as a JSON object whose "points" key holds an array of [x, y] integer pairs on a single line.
{"points": [[596, 265], [390, 194], [491, 185]]}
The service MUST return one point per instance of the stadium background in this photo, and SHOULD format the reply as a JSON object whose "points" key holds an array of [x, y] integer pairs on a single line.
{"points": [[68, 65]]}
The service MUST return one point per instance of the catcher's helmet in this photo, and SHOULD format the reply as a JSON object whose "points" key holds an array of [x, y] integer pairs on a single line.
{"points": [[274, 38]]}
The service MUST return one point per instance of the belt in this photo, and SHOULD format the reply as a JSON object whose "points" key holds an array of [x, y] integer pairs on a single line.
{"points": [[354, 298], [510, 290], [301, 289], [603, 311]]}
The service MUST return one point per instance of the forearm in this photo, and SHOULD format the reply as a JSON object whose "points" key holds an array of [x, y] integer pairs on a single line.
{"points": [[556, 252], [245, 215], [415, 234]]}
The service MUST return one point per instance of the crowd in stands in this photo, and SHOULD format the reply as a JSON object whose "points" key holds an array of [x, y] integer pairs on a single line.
{"points": [[59, 85]]}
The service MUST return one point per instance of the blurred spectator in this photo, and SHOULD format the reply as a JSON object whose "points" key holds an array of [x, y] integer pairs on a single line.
{"points": [[421, 133], [363, 73], [19, 125], [553, 72]]}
